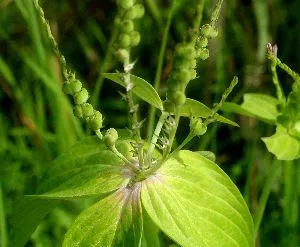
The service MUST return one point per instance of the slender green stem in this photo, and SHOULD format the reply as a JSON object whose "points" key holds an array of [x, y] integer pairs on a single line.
{"points": [[152, 5], [53, 42], [185, 141], [104, 67], [122, 157], [172, 134], [216, 13], [198, 19], [287, 69], [159, 69], [156, 134], [275, 166], [3, 230], [279, 92]]}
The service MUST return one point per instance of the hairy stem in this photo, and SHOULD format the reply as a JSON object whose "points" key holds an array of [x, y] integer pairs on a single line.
{"points": [[156, 134], [53, 42]]}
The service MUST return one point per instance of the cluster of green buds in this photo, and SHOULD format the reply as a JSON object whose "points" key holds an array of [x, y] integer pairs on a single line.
{"points": [[183, 72], [128, 37], [83, 109], [207, 31]]}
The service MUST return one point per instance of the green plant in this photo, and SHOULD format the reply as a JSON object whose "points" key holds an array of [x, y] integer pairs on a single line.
{"points": [[282, 112], [142, 186]]}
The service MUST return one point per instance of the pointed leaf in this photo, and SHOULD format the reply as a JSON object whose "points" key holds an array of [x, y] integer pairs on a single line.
{"points": [[141, 88], [86, 169], [194, 202], [197, 109], [235, 108], [282, 145], [113, 221], [28, 214], [261, 106]]}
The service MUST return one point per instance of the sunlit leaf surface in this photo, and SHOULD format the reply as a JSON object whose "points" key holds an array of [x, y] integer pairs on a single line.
{"points": [[194, 202]]}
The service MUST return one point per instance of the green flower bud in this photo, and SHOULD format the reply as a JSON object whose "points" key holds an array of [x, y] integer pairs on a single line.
{"points": [[177, 97], [185, 51], [81, 97], [67, 88], [95, 122], [110, 138], [124, 40], [76, 86], [181, 76], [77, 111], [87, 110], [135, 38], [130, 14], [202, 42], [208, 31], [126, 3], [197, 127], [127, 26], [123, 55], [139, 10], [203, 53]]}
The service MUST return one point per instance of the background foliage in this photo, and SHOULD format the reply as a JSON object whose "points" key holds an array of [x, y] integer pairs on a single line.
{"points": [[36, 121]]}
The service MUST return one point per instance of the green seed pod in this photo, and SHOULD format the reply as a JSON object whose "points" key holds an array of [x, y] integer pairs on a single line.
{"points": [[123, 55], [126, 3], [203, 53], [67, 88], [110, 138], [130, 14], [139, 10], [81, 97], [76, 86], [197, 127], [177, 97], [124, 40], [181, 76], [87, 110], [95, 122], [135, 38], [77, 111], [185, 51], [202, 42], [208, 31], [127, 26]]}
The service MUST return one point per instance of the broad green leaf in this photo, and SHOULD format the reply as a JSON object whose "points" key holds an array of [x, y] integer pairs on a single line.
{"points": [[27, 215], [197, 109], [194, 202], [261, 106], [150, 236], [282, 145], [141, 88], [86, 169], [113, 221]]}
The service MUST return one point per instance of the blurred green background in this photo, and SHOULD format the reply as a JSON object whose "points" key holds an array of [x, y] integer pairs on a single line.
{"points": [[36, 121]]}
